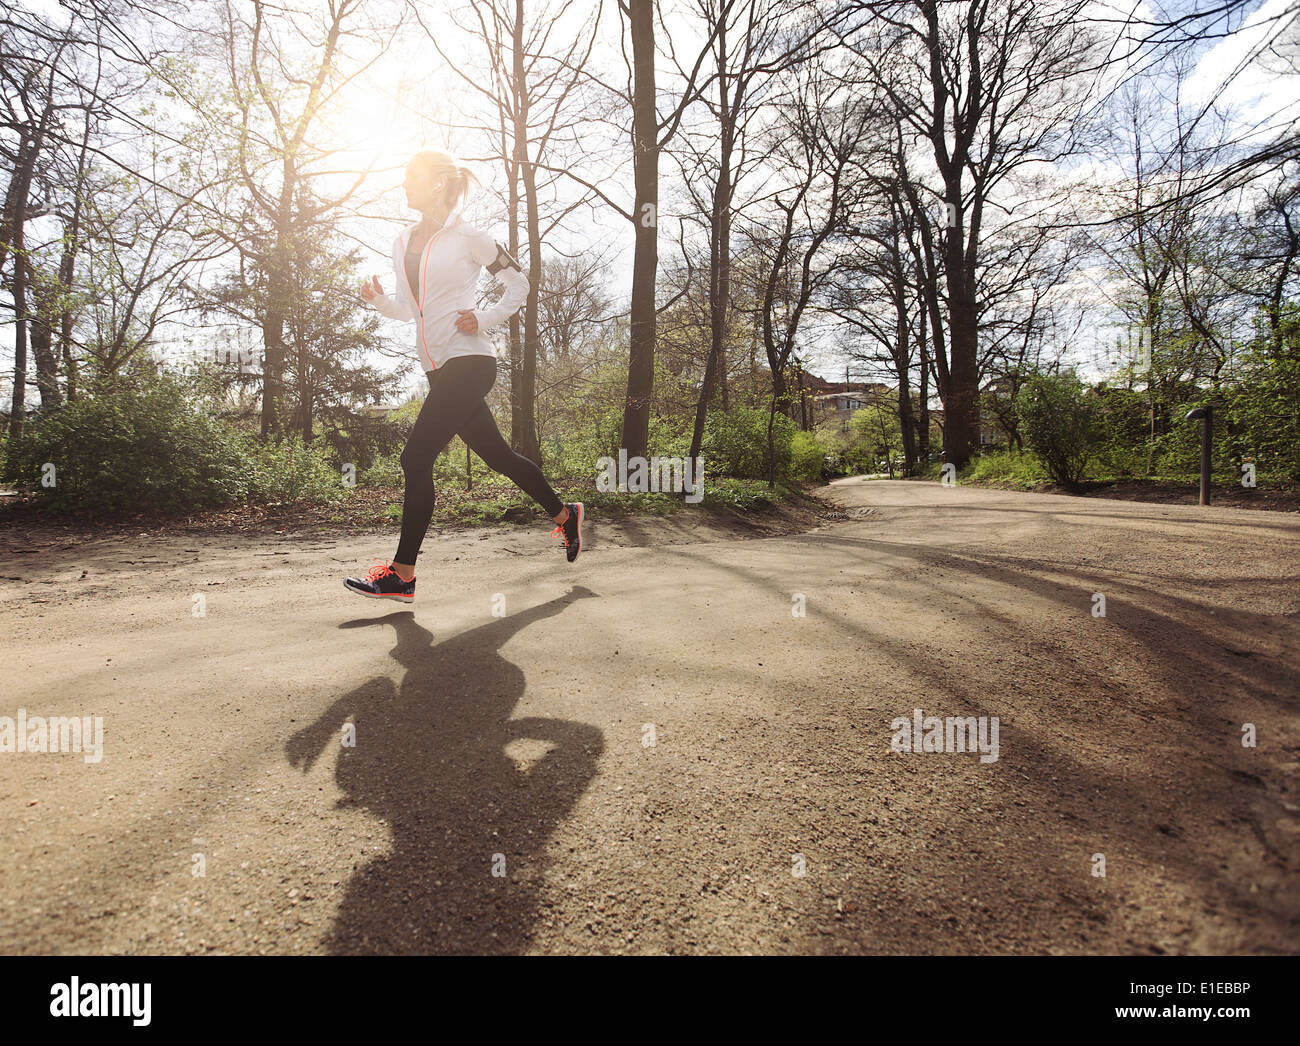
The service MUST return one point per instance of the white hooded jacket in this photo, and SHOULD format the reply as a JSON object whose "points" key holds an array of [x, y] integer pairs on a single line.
{"points": [[450, 267]]}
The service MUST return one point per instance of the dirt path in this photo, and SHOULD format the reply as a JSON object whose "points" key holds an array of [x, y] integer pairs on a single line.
{"points": [[528, 736]]}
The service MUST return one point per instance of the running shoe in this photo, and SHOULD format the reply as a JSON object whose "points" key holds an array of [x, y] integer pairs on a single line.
{"points": [[571, 530], [382, 582]]}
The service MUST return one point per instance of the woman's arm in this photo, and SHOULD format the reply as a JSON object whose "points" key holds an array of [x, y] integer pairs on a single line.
{"points": [[392, 306], [488, 253]]}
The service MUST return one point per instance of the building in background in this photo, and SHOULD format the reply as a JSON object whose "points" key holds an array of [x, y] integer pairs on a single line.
{"points": [[827, 402]]}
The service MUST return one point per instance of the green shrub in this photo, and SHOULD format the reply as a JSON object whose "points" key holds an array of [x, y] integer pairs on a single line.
{"points": [[1118, 459], [1266, 410], [876, 440], [1063, 424], [1008, 466], [738, 494], [807, 456], [449, 469], [587, 438], [385, 471], [144, 446], [735, 442], [1178, 450], [362, 440], [671, 437], [288, 470], [1126, 425]]}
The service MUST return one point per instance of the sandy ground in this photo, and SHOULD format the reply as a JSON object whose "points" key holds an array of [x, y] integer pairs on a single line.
{"points": [[649, 747]]}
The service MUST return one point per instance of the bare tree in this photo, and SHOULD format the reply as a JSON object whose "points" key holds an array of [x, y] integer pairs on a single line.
{"points": [[816, 145], [649, 134], [537, 101], [32, 55], [986, 87], [752, 49], [873, 292]]}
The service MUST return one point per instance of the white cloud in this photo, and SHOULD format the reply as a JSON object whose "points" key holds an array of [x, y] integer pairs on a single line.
{"points": [[1232, 75]]}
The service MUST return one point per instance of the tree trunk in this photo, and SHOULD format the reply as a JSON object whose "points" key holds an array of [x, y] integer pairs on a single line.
{"points": [[277, 303], [719, 274], [771, 445], [19, 188], [961, 407], [923, 427], [42, 338], [961, 416], [513, 169], [67, 267], [906, 422], [525, 437], [306, 399], [18, 407], [645, 258]]}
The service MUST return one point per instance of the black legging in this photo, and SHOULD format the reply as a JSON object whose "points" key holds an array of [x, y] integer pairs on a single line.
{"points": [[456, 406]]}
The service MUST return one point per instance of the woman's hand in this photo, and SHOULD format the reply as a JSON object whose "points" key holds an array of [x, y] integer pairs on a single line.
{"points": [[467, 322], [371, 290]]}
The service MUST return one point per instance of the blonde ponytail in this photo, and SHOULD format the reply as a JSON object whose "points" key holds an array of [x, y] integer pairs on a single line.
{"points": [[441, 164], [462, 187]]}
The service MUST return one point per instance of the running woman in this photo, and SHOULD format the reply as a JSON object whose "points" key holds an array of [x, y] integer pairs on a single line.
{"points": [[437, 263]]}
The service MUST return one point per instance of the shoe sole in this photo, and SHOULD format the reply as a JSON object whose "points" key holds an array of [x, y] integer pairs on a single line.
{"points": [[379, 595]]}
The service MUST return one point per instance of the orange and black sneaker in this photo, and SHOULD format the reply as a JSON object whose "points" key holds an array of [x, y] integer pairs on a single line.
{"points": [[382, 582], [571, 530]]}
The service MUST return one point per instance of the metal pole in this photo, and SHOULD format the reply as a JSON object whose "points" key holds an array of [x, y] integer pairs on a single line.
{"points": [[1206, 417], [1207, 428]]}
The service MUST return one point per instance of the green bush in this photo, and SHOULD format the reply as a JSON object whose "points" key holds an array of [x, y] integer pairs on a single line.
{"points": [[1063, 424], [1266, 410], [385, 471], [1008, 466], [1118, 459], [592, 435], [735, 442], [449, 469], [1126, 425], [807, 456], [740, 494], [1178, 450], [288, 470], [362, 440], [144, 446], [876, 440]]}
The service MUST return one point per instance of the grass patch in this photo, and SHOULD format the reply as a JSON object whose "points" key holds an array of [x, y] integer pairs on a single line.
{"points": [[1007, 470]]}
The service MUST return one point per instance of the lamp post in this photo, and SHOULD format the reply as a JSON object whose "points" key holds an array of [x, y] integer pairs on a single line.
{"points": [[1206, 417]]}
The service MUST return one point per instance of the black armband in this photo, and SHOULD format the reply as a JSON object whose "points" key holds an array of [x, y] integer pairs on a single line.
{"points": [[503, 261]]}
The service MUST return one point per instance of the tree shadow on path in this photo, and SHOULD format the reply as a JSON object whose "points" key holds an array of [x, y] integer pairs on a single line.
{"points": [[430, 760]]}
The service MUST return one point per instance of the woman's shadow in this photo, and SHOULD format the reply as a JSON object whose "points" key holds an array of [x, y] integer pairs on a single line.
{"points": [[469, 824]]}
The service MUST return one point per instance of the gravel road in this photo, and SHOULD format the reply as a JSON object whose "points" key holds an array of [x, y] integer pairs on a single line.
{"points": [[680, 747]]}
